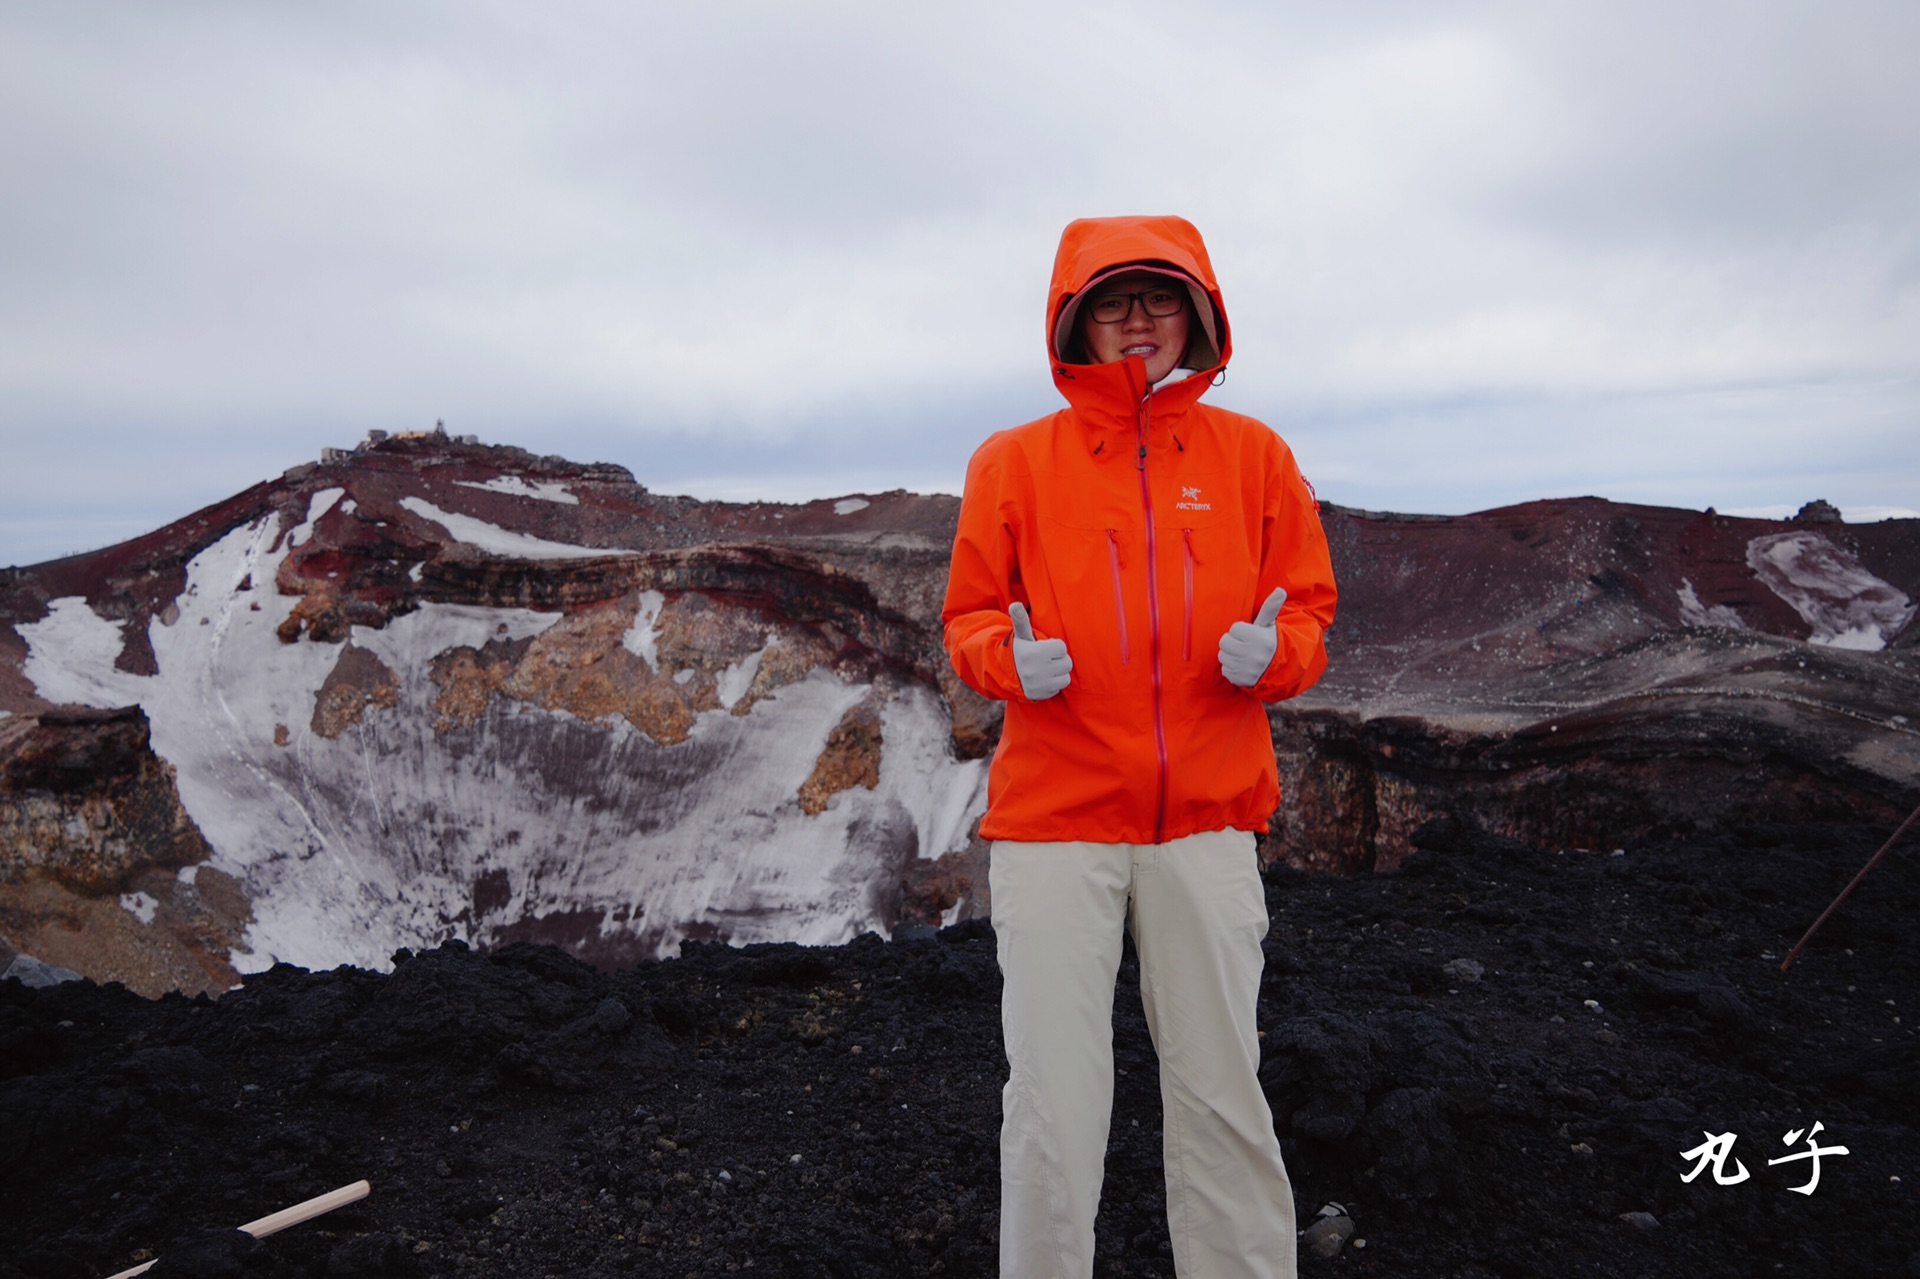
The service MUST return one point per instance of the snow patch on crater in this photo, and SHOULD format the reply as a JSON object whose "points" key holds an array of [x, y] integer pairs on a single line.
{"points": [[733, 683], [848, 505], [643, 637], [412, 641], [70, 657], [1844, 604], [311, 847], [918, 770], [1694, 613]]}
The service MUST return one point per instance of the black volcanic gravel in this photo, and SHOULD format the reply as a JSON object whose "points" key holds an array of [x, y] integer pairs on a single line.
{"points": [[834, 1111]]}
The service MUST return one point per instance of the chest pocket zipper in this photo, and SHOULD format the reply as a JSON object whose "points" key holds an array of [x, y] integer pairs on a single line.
{"points": [[1186, 640], [1119, 597]]}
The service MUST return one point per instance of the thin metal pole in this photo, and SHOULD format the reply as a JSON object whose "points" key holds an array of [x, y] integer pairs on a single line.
{"points": [[1911, 818]]}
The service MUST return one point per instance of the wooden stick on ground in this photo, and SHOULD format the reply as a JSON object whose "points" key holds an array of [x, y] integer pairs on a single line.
{"points": [[1847, 890], [273, 1223]]}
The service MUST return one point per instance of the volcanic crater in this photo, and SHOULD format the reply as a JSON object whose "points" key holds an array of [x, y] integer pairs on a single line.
{"points": [[492, 828]]}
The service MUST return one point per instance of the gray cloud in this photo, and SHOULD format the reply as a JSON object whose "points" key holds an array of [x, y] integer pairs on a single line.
{"points": [[1489, 237]]}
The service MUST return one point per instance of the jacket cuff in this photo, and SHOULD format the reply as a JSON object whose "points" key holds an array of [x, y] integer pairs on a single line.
{"points": [[1298, 659], [1005, 671]]}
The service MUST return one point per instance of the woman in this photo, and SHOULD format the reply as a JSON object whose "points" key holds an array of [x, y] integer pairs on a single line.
{"points": [[1136, 575]]}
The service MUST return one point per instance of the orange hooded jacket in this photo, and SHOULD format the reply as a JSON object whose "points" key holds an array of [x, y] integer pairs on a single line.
{"points": [[1137, 525]]}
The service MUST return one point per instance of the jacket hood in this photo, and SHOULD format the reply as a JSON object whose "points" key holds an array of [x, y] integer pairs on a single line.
{"points": [[1093, 248]]}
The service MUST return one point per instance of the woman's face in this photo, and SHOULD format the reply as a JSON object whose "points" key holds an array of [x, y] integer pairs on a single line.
{"points": [[1160, 340]]}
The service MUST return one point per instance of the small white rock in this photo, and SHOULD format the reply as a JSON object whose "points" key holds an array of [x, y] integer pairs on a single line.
{"points": [[1327, 1236]]}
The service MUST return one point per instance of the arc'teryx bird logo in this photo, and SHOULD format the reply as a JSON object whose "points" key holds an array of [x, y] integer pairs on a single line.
{"points": [[1192, 502]]}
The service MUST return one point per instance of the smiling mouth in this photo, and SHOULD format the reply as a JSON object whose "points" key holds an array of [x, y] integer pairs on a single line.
{"points": [[1140, 350]]}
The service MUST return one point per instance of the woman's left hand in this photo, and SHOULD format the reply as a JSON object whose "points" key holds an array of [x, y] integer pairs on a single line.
{"points": [[1247, 647]]}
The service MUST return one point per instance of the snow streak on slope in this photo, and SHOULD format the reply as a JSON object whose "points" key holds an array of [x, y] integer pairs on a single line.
{"points": [[322, 502], [515, 486], [495, 540], [1846, 606], [397, 833]]}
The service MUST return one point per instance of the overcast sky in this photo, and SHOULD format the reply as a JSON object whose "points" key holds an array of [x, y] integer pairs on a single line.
{"points": [[1474, 253]]}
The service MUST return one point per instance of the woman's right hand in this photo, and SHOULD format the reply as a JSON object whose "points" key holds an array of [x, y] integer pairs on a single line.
{"points": [[1043, 665]]}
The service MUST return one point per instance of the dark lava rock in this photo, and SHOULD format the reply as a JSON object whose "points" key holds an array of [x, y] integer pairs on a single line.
{"points": [[210, 1254], [834, 1111], [369, 1255]]}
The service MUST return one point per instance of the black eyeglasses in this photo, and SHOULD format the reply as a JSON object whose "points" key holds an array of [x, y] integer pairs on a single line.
{"points": [[1159, 301]]}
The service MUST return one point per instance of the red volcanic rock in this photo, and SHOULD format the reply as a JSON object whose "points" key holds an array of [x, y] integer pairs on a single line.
{"points": [[433, 688], [1589, 674], [90, 805], [92, 833]]}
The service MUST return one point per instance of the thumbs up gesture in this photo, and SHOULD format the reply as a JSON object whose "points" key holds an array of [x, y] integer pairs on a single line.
{"points": [[1247, 647], [1043, 664]]}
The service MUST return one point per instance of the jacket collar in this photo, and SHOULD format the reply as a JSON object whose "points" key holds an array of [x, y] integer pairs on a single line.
{"points": [[1107, 398]]}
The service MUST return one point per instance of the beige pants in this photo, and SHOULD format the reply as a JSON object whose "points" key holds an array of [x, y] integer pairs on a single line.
{"points": [[1197, 913]]}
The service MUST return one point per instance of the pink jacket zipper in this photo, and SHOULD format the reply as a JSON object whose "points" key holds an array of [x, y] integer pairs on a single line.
{"points": [[1186, 639], [1119, 596], [1153, 631]]}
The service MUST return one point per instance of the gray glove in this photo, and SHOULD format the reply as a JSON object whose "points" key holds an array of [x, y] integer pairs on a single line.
{"points": [[1043, 664], [1247, 647]]}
